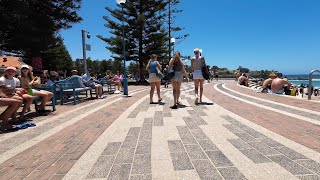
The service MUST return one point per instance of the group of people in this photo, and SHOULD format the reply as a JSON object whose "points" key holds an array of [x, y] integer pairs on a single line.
{"points": [[17, 91], [176, 65]]}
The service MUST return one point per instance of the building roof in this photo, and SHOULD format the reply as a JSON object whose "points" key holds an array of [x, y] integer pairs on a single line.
{"points": [[6, 61]]}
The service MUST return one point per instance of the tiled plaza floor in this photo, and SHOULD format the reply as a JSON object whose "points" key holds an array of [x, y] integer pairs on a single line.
{"points": [[234, 134]]}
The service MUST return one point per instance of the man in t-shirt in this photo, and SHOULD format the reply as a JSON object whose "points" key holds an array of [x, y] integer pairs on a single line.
{"points": [[14, 91]]}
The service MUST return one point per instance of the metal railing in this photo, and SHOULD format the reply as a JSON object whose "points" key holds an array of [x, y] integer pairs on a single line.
{"points": [[310, 83]]}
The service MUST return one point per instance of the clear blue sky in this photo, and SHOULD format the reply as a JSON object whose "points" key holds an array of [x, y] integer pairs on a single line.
{"points": [[281, 35]]}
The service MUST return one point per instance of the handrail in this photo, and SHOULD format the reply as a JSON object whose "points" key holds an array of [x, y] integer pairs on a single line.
{"points": [[310, 83]]}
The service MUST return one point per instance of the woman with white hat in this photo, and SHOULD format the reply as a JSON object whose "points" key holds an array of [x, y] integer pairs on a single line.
{"points": [[28, 82], [197, 63]]}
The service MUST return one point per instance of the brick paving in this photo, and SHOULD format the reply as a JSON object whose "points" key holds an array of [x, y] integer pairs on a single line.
{"points": [[127, 138]]}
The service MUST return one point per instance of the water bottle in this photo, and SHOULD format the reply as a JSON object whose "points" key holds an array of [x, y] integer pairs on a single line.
{"points": [[30, 92]]}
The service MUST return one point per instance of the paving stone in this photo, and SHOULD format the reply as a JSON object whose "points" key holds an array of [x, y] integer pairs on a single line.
{"points": [[176, 146], [246, 137], [191, 124], [101, 168], [133, 113], [289, 165], [134, 131], [199, 134], [125, 156], [112, 148], [271, 142], [228, 118], [208, 145], [309, 177], [144, 147], [141, 164], [197, 119], [231, 173], [141, 177], [181, 161], [158, 119], [255, 156], [310, 164], [253, 132], [192, 112], [219, 159], [290, 153], [145, 136], [120, 171], [233, 128], [195, 152], [148, 121], [186, 135], [130, 142], [263, 148], [206, 170], [146, 127], [201, 112], [239, 144]]}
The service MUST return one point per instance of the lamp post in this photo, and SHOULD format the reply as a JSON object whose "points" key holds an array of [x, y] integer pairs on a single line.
{"points": [[83, 32], [125, 80], [173, 40]]}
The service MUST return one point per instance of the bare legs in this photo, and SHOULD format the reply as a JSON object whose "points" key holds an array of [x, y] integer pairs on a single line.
{"points": [[176, 85], [46, 96], [13, 106], [153, 86], [198, 82]]}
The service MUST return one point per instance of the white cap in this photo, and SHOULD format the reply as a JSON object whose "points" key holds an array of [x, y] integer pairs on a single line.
{"points": [[24, 66]]}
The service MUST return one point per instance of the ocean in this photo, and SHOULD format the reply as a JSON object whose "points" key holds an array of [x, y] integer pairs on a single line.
{"points": [[304, 79]]}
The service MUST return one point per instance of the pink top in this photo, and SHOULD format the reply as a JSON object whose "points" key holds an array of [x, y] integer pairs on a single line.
{"points": [[117, 78]]}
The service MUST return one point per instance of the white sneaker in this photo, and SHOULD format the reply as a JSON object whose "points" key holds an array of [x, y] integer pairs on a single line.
{"points": [[117, 92]]}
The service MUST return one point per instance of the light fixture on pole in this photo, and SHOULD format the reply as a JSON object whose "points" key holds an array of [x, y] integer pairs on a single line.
{"points": [[172, 40], [125, 80], [84, 49]]}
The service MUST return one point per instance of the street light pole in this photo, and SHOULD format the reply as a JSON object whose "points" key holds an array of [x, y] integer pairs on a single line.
{"points": [[173, 40], [125, 80], [83, 32]]}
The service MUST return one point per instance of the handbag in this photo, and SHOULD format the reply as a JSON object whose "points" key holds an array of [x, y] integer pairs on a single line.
{"points": [[159, 73], [205, 71]]}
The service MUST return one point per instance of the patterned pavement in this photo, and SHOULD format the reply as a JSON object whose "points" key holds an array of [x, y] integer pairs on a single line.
{"points": [[234, 134]]}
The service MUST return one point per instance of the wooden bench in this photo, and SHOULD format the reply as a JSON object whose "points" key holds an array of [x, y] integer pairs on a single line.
{"points": [[105, 82], [72, 86]]}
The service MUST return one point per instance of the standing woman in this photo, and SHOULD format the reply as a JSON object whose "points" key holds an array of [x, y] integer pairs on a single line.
{"points": [[196, 65], [179, 71], [28, 81], [154, 81]]}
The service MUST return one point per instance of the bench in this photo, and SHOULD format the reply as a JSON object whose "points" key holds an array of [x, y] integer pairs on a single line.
{"points": [[105, 82], [72, 86]]}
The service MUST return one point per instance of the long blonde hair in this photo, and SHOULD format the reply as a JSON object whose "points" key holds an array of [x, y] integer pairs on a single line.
{"points": [[28, 76]]}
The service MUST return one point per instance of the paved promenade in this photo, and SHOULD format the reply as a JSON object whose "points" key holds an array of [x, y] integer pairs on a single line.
{"points": [[235, 134]]}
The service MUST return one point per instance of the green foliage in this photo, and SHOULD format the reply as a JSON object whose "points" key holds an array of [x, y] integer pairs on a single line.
{"points": [[57, 57], [32, 26]]}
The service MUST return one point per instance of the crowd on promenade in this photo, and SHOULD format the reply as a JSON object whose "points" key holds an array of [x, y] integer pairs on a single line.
{"points": [[20, 87]]}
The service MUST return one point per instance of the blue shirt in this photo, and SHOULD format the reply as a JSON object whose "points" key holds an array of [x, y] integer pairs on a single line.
{"points": [[153, 67]]}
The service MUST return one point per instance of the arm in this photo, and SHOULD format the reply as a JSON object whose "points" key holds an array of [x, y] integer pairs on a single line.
{"points": [[170, 64], [159, 65], [184, 70], [148, 65], [192, 62]]}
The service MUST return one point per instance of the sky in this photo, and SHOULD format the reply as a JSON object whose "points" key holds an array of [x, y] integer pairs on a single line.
{"points": [[282, 35]]}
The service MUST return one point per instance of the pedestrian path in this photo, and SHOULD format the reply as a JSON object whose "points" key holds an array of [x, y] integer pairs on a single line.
{"points": [[232, 135]]}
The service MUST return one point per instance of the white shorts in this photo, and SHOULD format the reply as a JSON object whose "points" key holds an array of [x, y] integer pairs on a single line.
{"points": [[197, 74], [153, 77]]}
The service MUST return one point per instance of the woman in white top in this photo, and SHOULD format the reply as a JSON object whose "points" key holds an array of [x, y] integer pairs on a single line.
{"points": [[196, 65]]}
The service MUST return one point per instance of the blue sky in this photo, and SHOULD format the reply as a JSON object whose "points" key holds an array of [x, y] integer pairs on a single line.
{"points": [[281, 35]]}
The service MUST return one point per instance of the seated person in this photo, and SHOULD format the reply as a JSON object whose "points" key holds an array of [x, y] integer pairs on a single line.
{"points": [[266, 85], [13, 106], [89, 81], [117, 79], [243, 80], [28, 82], [278, 85], [13, 91]]}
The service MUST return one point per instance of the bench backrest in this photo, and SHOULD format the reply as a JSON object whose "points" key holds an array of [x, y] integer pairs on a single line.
{"points": [[72, 82]]}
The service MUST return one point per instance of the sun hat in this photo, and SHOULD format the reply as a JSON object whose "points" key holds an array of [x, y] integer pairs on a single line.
{"points": [[24, 66], [196, 50], [11, 68]]}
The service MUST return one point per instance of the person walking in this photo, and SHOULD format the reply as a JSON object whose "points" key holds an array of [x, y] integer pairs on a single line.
{"points": [[196, 65], [154, 80], [177, 65]]}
